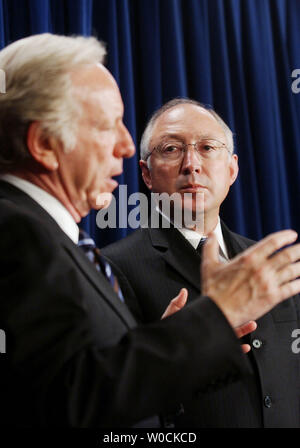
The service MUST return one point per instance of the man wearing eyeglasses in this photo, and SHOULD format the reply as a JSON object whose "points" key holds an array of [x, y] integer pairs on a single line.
{"points": [[188, 150]]}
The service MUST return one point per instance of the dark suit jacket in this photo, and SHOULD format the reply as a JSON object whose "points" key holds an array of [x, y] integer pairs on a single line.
{"points": [[153, 265], [74, 355]]}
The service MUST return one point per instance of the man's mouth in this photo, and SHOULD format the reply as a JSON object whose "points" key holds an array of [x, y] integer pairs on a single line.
{"points": [[192, 188]]}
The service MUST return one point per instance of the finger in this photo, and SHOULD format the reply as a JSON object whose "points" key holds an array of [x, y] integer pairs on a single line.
{"points": [[266, 247], [285, 257], [246, 348], [210, 254], [180, 300], [245, 328], [288, 273], [176, 304], [289, 289]]}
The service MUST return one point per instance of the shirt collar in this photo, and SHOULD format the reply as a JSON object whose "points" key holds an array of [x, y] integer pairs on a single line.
{"points": [[194, 237], [49, 203]]}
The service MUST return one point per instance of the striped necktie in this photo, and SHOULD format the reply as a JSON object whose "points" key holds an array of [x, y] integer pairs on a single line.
{"points": [[87, 244]]}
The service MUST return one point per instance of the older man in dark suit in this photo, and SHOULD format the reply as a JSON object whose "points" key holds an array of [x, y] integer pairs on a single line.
{"points": [[74, 353], [187, 148]]}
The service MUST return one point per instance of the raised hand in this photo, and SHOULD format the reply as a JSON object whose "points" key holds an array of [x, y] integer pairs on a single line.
{"points": [[256, 280]]}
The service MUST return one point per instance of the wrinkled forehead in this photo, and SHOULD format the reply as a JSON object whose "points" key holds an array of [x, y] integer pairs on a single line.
{"points": [[187, 122]]}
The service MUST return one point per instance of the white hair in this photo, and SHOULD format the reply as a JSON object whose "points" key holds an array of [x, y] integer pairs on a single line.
{"points": [[148, 132], [39, 88]]}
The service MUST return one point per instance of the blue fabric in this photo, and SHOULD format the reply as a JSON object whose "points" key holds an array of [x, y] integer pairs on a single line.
{"points": [[236, 55]]}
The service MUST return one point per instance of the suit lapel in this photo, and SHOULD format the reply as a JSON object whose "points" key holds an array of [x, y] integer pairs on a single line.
{"points": [[181, 256], [234, 244], [99, 282], [178, 253]]}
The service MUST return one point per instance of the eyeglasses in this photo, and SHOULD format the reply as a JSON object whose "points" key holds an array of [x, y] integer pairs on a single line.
{"points": [[174, 151]]}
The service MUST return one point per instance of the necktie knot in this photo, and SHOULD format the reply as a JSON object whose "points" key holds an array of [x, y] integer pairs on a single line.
{"points": [[199, 249], [87, 244], [85, 241], [200, 245]]}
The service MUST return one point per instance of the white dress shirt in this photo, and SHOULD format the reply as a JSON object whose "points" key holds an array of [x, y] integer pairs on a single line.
{"points": [[49, 203], [194, 237]]}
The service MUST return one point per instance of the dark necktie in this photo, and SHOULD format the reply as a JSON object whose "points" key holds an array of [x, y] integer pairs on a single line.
{"points": [[200, 246], [87, 244]]}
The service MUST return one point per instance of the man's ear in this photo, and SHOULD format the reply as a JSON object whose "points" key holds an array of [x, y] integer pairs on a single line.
{"points": [[234, 168], [146, 174], [42, 149]]}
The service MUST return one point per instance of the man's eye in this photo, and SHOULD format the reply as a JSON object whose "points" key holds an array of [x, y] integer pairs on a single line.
{"points": [[208, 148], [171, 148]]}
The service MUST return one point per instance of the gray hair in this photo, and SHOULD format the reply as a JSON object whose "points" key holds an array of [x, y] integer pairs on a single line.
{"points": [[148, 132], [39, 88]]}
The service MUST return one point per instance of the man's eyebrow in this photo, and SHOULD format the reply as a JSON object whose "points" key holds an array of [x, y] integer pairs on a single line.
{"points": [[178, 136], [175, 136], [211, 137]]}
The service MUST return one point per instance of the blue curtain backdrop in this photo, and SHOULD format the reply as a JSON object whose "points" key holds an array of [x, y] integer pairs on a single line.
{"points": [[236, 55]]}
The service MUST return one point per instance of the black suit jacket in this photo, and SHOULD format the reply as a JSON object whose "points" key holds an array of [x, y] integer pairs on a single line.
{"points": [[154, 264], [75, 356]]}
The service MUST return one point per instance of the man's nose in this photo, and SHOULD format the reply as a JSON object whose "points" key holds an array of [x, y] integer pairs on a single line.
{"points": [[125, 146], [192, 162]]}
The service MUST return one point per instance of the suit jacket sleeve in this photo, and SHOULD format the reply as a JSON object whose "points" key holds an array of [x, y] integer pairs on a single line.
{"points": [[56, 372]]}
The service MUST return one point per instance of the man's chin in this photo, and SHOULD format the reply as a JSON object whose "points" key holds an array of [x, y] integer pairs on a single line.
{"points": [[192, 208], [103, 200]]}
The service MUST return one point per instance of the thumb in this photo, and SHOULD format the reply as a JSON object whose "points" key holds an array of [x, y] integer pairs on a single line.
{"points": [[180, 300], [177, 303], [210, 255]]}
